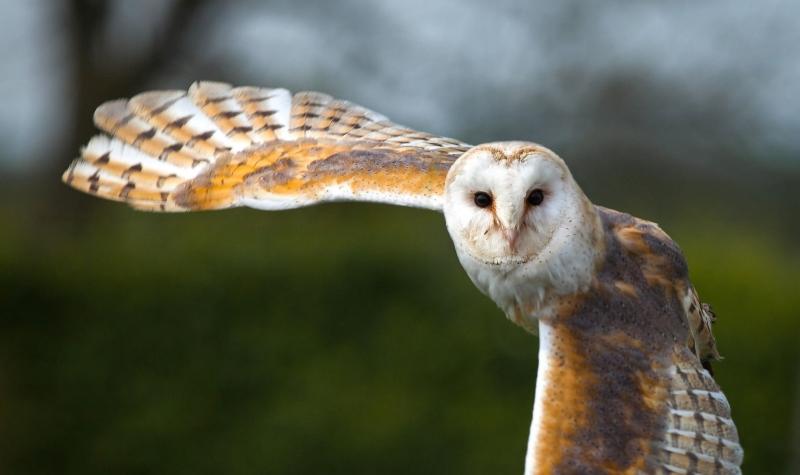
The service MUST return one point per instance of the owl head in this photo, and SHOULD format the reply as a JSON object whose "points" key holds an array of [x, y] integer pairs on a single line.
{"points": [[520, 223]]}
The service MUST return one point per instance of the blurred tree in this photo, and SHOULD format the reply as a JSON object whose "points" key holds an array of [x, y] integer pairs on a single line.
{"points": [[96, 77]]}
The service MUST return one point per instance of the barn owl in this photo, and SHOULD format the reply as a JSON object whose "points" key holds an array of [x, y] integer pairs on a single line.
{"points": [[623, 384]]}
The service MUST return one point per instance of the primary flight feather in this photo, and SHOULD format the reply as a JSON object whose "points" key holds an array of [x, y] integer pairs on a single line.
{"points": [[624, 383]]}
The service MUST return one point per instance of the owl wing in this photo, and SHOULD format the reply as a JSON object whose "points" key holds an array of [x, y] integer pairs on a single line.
{"points": [[216, 146], [700, 436], [697, 433], [660, 256]]}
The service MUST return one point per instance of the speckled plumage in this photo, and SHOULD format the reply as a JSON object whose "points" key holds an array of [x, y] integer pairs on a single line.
{"points": [[624, 382], [628, 394]]}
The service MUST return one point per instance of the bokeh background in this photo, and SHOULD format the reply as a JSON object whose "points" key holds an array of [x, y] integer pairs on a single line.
{"points": [[346, 338]]}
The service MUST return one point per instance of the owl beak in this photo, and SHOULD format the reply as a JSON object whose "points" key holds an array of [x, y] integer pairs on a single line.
{"points": [[511, 235], [510, 223]]}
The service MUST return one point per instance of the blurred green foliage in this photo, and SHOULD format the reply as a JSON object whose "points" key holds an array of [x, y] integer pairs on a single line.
{"points": [[337, 339]]}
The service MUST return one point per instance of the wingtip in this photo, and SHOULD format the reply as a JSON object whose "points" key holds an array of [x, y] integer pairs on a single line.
{"points": [[116, 109], [66, 177]]}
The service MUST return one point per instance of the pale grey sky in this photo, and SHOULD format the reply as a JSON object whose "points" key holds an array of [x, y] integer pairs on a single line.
{"points": [[451, 67]]}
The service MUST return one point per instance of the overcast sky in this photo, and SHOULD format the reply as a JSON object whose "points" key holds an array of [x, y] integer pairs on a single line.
{"points": [[453, 67]]}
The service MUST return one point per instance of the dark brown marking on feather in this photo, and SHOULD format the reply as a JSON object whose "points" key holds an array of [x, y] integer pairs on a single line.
{"points": [[176, 147], [202, 136], [699, 421], [166, 106], [94, 182], [103, 159], [228, 114], [242, 129], [215, 100], [126, 190], [269, 127], [132, 169], [146, 135], [179, 122]]}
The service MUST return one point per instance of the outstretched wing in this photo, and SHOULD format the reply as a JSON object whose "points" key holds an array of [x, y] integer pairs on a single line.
{"points": [[216, 146]]}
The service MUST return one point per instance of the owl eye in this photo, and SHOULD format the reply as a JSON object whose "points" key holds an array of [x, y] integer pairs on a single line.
{"points": [[483, 199], [535, 197]]}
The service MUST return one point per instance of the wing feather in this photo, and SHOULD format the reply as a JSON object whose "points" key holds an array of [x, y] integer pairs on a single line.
{"points": [[268, 110], [700, 318], [119, 121], [700, 435], [174, 113], [217, 102], [217, 146]]}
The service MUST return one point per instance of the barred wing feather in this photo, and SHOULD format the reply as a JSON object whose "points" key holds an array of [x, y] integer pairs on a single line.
{"points": [[217, 146]]}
